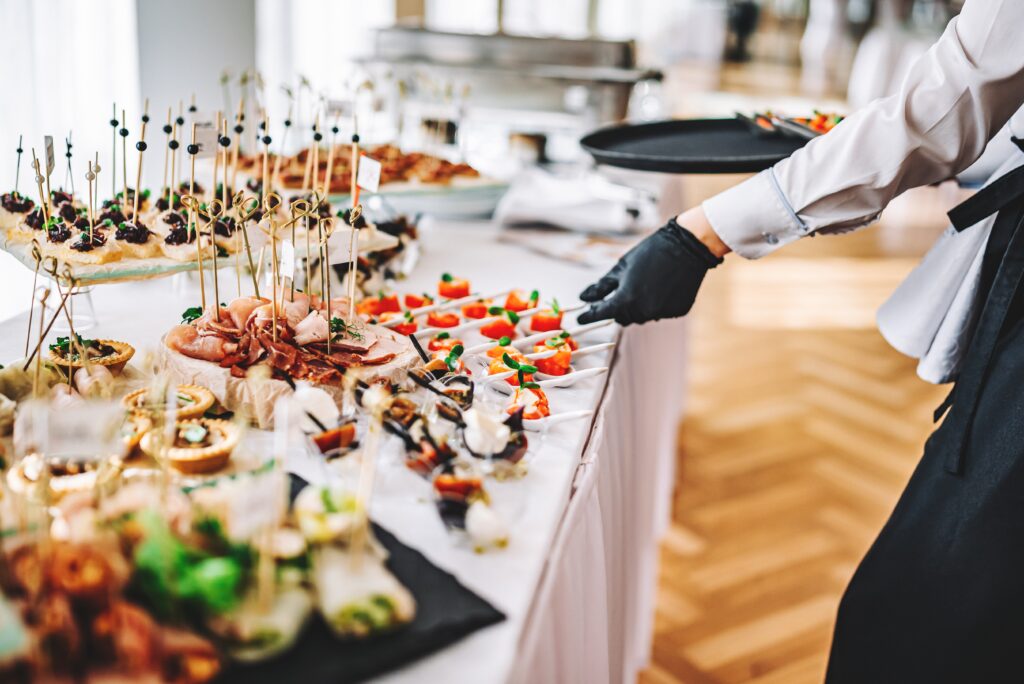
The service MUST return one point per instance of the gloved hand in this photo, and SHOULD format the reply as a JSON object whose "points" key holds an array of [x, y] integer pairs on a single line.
{"points": [[658, 278]]}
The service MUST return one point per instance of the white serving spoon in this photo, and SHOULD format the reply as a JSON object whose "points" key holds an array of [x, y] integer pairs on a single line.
{"points": [[467, 326]]}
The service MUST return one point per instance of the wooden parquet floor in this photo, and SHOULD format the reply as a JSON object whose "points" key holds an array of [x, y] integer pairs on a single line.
{"points": [[802, 428]]}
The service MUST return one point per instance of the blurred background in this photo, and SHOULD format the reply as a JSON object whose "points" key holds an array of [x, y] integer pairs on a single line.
{"points": [[801, 424]]}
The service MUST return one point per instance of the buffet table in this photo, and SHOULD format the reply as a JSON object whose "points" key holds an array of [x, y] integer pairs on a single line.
{"points": [[577, 580]]}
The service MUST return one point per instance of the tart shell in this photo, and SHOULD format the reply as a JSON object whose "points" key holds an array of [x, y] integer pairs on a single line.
{"points": [[115, 362]]}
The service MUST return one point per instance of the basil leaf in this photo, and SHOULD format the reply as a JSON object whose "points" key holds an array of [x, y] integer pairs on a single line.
{"points": [[190, 314], [509, 361], [495, 311], [527, 368], [513, 317], [442, 336], [531, 385], [447, 277]]}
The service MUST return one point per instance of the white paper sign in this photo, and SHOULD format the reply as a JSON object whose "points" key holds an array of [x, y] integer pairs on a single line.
{"points": [[48, 143], [287, 263], [368, 175], [339, 108], [206, 135]]}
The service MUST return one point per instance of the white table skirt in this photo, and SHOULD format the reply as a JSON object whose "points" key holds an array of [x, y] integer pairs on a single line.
{"points": [[592, 618]]}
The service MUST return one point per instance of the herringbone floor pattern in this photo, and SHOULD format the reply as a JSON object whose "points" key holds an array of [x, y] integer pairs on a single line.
{"points": [[802, 428]]}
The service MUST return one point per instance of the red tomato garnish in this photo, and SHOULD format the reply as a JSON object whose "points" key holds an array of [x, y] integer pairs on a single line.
{"points": [[534, 411], [518, 300], [370, 306], [543, 321], [474, 310], [438, 344], [413, 301], [461, 487], [499, 327], [497, 351], [454, 288], [390, 303], [407, 328], [438, 319]]}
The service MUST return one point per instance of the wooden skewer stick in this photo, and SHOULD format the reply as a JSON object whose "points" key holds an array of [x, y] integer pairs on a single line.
{"points": [[173, 145], [239, 129], [42, 334], [214, 211], [96, 187], [124, 160], [168, 129], [192, 218], [56, 314], [353, 248], [225, 142], [37, 255], [141, 147], [282, 151], [265, 183], [325, 227], [329, 171], [39, 183], [244, 215], [317, 137], [113, 153], [17, 169], [90, 176]]}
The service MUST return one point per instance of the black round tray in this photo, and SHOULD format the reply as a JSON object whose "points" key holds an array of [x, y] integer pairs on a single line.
{"points": [[690, 146]]}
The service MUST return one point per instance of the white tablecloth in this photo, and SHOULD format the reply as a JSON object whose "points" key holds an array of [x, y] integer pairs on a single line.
{"points": [[577, 580]]}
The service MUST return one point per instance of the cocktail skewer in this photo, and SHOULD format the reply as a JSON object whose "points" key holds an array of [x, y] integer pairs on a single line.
{"points": [[17, 169], [193, 221], [141, 147], [168, 129]]}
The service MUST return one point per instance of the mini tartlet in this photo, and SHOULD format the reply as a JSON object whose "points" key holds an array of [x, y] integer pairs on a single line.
{"points": [[110, 353], [201, 445], [193, 401]]}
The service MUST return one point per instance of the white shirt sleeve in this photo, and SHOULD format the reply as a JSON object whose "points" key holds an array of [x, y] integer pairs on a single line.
{"points": [[954, 100]]}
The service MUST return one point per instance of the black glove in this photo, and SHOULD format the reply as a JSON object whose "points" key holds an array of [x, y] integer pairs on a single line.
{"points": [[658, 278]]}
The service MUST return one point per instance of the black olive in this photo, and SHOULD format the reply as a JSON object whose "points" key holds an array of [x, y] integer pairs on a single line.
{"points": [[193, 148], [173, 144], [141, 146]]}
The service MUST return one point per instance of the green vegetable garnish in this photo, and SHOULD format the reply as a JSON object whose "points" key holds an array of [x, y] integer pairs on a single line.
{"points": [[190, 314], [328, 502], [534, 296], [442, 336], [555, 307], [495, 311], [194, 434], [447, 277], [505, 341], [339, 326], [509, 361], [529, 385], [513, 317]]}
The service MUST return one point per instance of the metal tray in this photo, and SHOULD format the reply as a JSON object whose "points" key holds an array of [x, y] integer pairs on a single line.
{"points": [[690, 146]]}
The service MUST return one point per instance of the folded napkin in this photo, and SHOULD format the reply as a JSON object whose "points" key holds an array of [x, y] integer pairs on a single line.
{"points": [[587, 203]]}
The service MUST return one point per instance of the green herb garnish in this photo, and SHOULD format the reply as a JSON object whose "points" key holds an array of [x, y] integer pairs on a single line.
{"points": [[442, 336], [555, 307], [534, 296], [342, 328], [190, 314], [447, 277], [513, 317], [505, 341]]}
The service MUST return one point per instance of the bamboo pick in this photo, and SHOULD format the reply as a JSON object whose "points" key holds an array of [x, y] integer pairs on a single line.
{"points": [[353, 246], [224, 201], [239, 129], [168, 128], [172, 189], [243, 225], [56, 314], [325, 226], [124, 160], [96, 186], [38, 256], [42, 334], [192, 219], [17, 169], [113, 154], [317, 137], [329, 171], [90, 176], [141, 147], [45, 206], [265, 188], [213, 213], [276, 176], [49, 192], [274, 270], [180, 121], [67, 174]]}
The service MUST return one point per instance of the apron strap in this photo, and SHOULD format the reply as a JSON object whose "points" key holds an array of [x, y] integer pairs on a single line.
{"points": [[986, 335], [994, 197]]}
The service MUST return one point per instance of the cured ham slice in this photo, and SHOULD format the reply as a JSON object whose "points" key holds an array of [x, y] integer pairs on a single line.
{"points": [[312, 328], [239, 309], [186, 340], [209, 324]]}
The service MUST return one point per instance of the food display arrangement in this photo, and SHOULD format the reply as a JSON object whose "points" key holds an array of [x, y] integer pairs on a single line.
{"points": [[174, 545]]}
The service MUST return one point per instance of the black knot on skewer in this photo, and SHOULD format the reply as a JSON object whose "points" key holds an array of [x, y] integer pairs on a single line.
{"points": [[334, 130], [263, 125], [19, 150], [145, 118], [123, 132], [114, 122], [180, 121], [318, 136], [355, 137], [193, 148], [239, 128], [266, 140], [173, 144], [224, 141], [141, 146], [68, 154], [192, 108], [287, 123], [167, 129]]}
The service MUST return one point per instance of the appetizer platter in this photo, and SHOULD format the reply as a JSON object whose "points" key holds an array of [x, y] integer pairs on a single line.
{"points": [[200, 509]]}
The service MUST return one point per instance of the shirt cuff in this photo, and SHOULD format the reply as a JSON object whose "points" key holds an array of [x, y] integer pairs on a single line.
{"points": [[754, 218]]}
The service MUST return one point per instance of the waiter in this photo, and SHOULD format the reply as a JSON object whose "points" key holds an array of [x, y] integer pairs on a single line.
{"points": [[939, 597]]}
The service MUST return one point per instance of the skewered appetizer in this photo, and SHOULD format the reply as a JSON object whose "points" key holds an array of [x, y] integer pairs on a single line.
{"points": [[14, 207], [396, 166], [77, 352], [361, 599]]}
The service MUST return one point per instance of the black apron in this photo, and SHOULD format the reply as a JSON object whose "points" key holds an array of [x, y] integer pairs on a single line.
{"points": [[939, 597]]}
